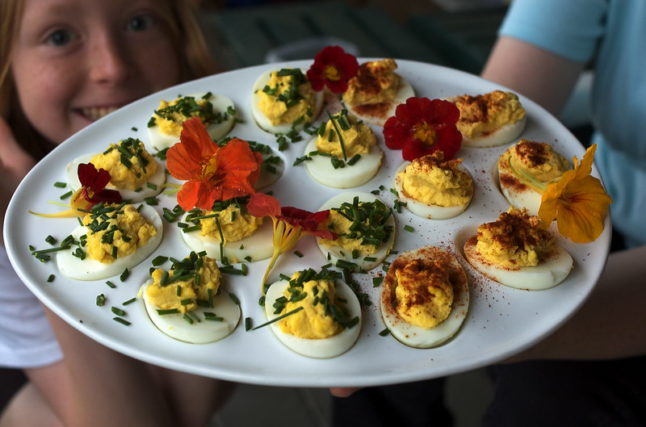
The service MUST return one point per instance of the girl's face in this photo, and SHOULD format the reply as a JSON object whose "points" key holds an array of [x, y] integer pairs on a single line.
{"points": [[77, 60]]}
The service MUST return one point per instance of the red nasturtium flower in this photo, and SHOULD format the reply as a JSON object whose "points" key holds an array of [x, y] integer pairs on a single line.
{"points": [[92, 192], [422, 126], [290, 224], [332, 67], [212, 172]]}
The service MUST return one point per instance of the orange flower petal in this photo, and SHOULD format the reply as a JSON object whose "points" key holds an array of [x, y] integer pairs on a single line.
{"points": [[184, 160], [261, 205]]}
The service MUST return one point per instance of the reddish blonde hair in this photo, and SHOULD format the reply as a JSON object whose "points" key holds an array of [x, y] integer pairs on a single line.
{"points": [[185, 31]]}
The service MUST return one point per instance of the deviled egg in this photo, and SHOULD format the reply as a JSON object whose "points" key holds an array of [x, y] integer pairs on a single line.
{"points": [[365, 227], [112, 238], [283, 100], [433, 188], [425, 297], [515, 251], [376, 91], [525, 169], [188, 302], [228, 231], [134, 172], [490, 119], [344, 153], [217, 112], [320, 316]]}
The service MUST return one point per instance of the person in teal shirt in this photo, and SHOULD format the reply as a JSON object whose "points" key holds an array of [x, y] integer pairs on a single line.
{"points": [[591, 371]]}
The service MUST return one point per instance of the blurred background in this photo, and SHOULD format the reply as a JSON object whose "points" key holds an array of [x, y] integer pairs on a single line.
{"points": [[454, 33]]}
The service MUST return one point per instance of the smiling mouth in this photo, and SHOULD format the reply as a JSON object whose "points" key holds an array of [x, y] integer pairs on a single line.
{"points": [[95, 113]]}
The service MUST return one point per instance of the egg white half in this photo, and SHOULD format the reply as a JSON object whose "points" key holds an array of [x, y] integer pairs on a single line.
{"points": [[545, 275], [321, 170], [199, 332], [501, 136], [317, 348], [380, 115], [264, 122], [156, 181], [424, 210], [335, 253], [259, 245], [415, 336], [90, 269], [160, 140]]}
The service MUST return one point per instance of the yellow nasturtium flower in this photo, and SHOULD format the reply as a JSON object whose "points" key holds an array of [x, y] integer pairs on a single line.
{"points": [[577, 201]]}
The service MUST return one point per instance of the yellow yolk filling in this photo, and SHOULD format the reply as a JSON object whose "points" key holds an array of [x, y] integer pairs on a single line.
{"points": [[277, 111], [424, 293], [311, 322], [536, 161], [341, 225], [129, 231], [358, 139], [514, 240], [483, 114], [131, 175], [168, 297], [376, 82], [432, 181], [234, 224], [172, 125]]}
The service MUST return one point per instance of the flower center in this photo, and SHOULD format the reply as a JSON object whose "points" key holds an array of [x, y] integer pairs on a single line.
{"points": [[210, 170], [424, 133], [332, 73]]}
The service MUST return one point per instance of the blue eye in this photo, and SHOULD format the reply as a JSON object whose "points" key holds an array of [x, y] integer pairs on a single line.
{"points": [[60, 37], [140, 23]]}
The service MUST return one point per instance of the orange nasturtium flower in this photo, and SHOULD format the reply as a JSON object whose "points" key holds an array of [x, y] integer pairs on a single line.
{"points": [[212, 173], [92, 192], [577, 201], [290, 224]]}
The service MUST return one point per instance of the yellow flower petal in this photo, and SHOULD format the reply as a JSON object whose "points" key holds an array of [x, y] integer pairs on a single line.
{"points": [[577, 201]]}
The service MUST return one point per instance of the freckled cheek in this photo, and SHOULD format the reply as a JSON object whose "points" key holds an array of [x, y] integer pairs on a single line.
{"points": [[45, 94], [161, 67]]}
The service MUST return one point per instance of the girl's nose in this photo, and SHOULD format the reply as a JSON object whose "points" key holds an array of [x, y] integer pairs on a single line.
{"points": [[108, 60]]}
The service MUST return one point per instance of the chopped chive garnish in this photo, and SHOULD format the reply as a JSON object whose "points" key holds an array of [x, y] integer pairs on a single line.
{"points": [[376, 281], [66, 195], [130, 301], [50, 239], [118, 311], [275, 319], [100, 300], [109, 283], [124, 275], [248, 323], [188, 318], [51, 278], [212, 317], [409, 228], [298, 254], [121, 320], [159, 260], [384, 333], [167, 311], [59, 184]]}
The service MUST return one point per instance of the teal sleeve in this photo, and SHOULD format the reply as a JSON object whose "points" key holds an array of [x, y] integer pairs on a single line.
{"points": [[568, 28]]}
